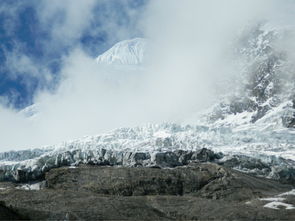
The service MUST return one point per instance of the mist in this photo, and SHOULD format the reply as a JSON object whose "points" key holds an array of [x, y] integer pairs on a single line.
{"points": [[189, 62]]}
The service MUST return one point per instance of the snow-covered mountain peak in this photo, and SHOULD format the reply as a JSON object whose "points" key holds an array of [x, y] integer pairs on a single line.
{"points": [[30, 111], [127, 52]]}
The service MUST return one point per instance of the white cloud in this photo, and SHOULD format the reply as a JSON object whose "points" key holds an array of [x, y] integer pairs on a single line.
{"points": [[192, 51], [21, 64], [67, 19], [189, 56]]}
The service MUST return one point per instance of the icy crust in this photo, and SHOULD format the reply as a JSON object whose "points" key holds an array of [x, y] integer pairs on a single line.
{"points": [[254, 150], [23, 154], [128, 52]]}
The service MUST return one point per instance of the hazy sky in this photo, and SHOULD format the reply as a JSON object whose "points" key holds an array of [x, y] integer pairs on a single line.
{"points": [[47, 56]]}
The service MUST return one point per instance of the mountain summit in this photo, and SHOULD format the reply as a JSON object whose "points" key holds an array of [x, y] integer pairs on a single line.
{"points": [[127, 52]]}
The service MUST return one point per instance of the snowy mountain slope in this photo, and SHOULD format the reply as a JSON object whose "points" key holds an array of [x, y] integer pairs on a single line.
{"points": [[266, 81], [256, 122], [128, 52], [29, 111]]}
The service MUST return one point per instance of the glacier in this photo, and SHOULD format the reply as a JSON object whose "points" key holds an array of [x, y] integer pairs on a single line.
{"points": [[159, 145], [251, 130]]}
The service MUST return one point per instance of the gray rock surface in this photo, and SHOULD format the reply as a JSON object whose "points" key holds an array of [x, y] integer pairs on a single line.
{"points": [[199, 191], [135, 181], [276, 168]]}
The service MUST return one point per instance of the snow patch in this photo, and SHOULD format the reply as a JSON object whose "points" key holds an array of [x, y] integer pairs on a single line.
{"points": [[277, 205], [290, 193], [274, 199], [162, 134], [34, 186], [278, 201]]}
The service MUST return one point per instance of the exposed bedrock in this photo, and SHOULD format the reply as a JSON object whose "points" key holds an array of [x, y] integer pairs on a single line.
{"points": [[203, 179], [199, 191], [135, 181]]}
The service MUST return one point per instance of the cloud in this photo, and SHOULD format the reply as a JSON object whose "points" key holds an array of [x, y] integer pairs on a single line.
{"points": [[192, 51], [190, 54], [36, 35], [66, 19], [91, 99], [87, 93], [22, 64]]}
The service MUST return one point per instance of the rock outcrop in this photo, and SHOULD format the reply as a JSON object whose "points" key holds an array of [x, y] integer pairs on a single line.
{"points": [[199, 191]]}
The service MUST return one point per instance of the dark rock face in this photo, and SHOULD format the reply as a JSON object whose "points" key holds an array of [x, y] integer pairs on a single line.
{"points": [[205, 155], [289, 119], [134, 181], [200, 191], [166, 159], [206, 179], [278, 168], [287, 175], [20, 175], [8, 214], [246, 163]]}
